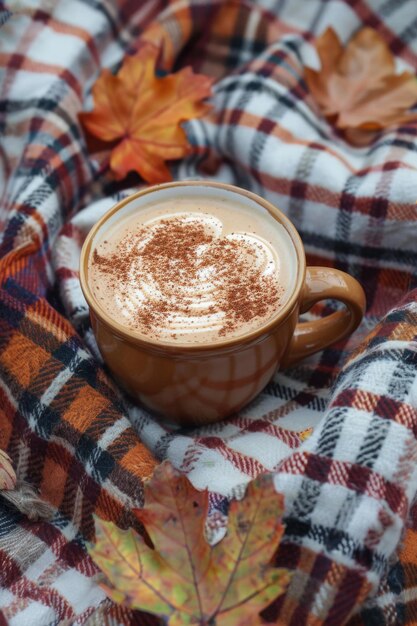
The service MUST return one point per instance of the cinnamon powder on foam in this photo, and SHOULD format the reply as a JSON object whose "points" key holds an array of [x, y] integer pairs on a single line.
{"points": [[170, 256]]}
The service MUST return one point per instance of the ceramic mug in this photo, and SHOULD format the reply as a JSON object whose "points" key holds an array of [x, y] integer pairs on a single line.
{"points": [[202, 383]]}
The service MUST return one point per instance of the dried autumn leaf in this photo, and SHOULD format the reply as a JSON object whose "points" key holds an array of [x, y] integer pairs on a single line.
{"points": [[356, 87], [183, 578], [7, 474], [141, 114]]}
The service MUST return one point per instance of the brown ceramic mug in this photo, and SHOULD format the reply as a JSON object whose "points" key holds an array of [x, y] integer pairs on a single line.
{"points": [[202, 383]]}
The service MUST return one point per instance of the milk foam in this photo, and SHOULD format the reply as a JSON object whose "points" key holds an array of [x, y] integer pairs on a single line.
{"points": [[261, 239]]}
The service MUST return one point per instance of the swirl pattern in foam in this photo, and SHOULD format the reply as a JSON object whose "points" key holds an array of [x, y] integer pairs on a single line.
{"points": [[190, 276]]}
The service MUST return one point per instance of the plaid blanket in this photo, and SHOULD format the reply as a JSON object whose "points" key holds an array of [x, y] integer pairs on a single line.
{"points": [[351, 527]]}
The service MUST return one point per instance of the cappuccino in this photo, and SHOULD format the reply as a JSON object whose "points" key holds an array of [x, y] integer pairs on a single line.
{"points": [[192, 269]]}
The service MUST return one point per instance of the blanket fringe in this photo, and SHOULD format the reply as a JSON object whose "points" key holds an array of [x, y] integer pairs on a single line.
{"points": [[25, 499]]}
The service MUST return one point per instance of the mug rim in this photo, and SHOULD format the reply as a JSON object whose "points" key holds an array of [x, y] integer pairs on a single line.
{"points": [[245, 339]]}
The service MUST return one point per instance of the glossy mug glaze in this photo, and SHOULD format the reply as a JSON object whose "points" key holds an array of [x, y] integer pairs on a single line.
{"points": [[201, 383]]}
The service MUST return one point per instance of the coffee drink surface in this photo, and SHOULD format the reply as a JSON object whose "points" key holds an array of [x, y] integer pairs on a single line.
{"points": [[193, 270]]}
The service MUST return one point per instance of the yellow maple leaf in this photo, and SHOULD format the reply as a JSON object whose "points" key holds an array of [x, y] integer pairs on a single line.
{"points": [[7, 474], [182, 578]]}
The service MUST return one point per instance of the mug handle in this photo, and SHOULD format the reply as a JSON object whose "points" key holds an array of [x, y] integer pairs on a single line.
{"points": [[322, 283]]}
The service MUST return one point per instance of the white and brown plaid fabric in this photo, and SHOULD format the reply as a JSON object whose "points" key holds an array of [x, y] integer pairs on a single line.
{"points": [[349, 488]]}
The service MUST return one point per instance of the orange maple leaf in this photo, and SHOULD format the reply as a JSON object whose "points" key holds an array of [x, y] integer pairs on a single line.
{"points": [[181, 577], [142, 113], [357, 87]]}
